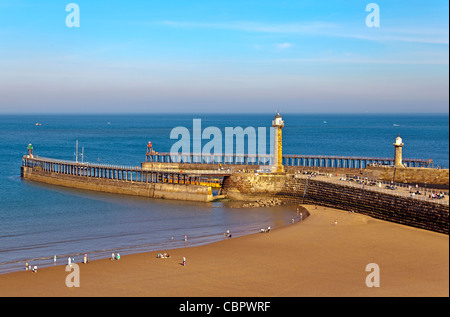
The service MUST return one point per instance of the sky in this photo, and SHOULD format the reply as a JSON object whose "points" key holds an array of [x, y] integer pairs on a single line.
{"points": [[252, 56]]}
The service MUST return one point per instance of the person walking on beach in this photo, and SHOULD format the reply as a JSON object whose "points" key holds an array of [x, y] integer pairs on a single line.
{"points": [[69, 262], [185, 238], [54, 260], [184, 261]]}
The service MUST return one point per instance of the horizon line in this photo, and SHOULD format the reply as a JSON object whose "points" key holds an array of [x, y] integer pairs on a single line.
{"points": [[220, 113]]}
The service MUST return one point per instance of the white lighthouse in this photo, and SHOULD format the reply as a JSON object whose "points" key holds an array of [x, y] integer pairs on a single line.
{"points": [[278, 125], [398, 152]]}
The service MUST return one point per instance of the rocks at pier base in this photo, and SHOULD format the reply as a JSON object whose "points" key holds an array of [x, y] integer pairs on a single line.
{"points": [[270, 202]]}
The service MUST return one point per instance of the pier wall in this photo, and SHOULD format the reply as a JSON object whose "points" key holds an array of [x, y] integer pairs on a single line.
{"points": [[404, 210], [251, 186], [399, 209], [434, 178], [151, 190]]}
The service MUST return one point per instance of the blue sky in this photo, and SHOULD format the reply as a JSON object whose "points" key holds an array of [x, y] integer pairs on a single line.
{"points": [[224, 56]]}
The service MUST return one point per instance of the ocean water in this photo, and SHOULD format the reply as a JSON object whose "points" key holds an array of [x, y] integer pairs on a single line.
{"points": [[38, 221]]}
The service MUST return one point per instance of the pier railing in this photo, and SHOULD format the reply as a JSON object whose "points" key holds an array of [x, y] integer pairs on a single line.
{"points": [[347, 161], [202, 158], [287, 160]]}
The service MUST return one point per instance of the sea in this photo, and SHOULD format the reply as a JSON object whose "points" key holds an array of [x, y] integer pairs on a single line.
{"points": [[39, 221]]}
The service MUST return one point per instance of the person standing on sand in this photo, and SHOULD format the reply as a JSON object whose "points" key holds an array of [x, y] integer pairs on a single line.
{"points": [[69, 262], [184, 261], [54, 260]]}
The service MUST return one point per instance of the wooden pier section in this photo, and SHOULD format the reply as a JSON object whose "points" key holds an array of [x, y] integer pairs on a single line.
{"points": [[125, 173], [192, 185]]}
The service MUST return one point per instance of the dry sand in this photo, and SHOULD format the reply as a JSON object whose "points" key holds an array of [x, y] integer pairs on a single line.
{"points": [[308, 258]]}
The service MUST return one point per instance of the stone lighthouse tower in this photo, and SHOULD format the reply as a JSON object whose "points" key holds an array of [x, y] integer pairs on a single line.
{"points": [[278, 124], [398, 152]]}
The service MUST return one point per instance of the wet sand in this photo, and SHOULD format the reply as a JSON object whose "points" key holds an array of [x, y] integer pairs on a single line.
{"points": [[313, 257]]}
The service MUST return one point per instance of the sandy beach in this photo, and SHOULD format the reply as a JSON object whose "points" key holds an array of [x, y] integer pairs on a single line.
{"points": [[313, 257]]}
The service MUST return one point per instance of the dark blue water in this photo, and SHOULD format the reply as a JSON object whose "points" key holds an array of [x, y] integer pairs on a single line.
{"points": [[39, 221]]}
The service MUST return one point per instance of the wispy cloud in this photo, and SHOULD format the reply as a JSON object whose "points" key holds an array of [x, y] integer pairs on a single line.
{"points": [[283, 28], [438, 35], [435, 36], [283, 46], [367, 61]]}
